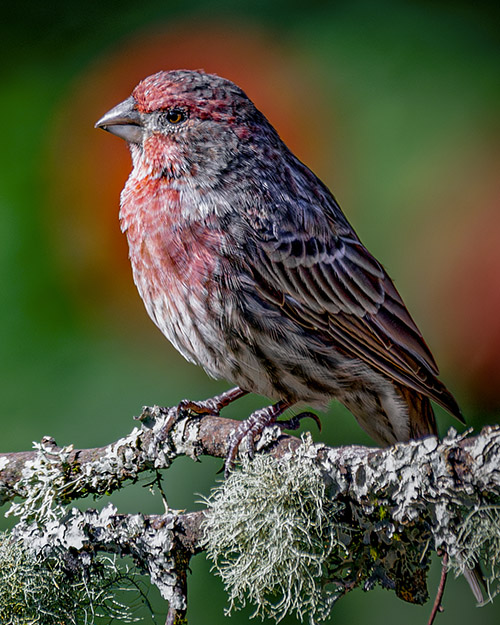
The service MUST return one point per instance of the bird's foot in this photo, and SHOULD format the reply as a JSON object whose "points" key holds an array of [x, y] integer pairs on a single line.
{"points": [[198, 409], [211, 406], [253, 426]]}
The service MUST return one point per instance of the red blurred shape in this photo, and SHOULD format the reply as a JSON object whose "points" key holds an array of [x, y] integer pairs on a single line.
{"points": [[462, 239]]}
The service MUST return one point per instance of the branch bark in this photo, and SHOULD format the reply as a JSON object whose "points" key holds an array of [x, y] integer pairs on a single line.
{"points": [[442, 482]]}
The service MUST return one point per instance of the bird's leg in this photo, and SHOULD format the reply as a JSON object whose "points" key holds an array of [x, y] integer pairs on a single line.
{"points": [[211, 406], [251, 428]]}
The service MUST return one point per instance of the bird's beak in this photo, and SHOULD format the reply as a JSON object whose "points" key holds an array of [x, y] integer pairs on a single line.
{"points": [[124, 121]]}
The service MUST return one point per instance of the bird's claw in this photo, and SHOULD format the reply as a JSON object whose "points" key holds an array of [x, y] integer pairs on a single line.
{"points": [[252, 428], [294, 422], [190, 409], [234, 444]]}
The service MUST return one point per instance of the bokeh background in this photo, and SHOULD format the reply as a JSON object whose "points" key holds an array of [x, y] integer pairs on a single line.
{"points": [[395, 105]]}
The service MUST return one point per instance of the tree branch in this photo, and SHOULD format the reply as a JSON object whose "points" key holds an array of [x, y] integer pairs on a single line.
{"points": [[427, 494], [163, 436]]}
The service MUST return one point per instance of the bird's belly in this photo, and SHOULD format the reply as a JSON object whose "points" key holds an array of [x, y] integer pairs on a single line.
{"points": [[213, 331], [180, 318], [194, 330]]}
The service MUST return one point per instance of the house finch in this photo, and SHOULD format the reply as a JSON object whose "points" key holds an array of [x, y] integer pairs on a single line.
{"points": [[248, 266], [246, 263]]}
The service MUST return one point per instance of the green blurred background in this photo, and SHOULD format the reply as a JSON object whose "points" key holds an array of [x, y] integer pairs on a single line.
{"points": [[395, 105]]}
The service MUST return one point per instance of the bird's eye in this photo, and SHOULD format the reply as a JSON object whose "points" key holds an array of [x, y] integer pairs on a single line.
{"points": [[175, 116]]}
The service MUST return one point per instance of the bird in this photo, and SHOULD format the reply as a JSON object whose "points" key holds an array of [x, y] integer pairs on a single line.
{"points": [[248, 266]]}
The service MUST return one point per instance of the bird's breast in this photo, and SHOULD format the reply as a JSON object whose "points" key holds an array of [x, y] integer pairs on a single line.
{"points": [[175, 264], [162, 238]]}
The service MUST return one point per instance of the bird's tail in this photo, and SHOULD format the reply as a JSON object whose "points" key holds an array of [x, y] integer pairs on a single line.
{"points": [[420, 413]]}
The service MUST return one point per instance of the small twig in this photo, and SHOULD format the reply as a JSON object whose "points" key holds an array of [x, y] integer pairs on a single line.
{"points": [[437, 607], [158, 483]]}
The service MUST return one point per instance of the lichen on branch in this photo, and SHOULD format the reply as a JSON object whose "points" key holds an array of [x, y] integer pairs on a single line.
{"points": [[323, 520], [275, 535], [296, 533]]}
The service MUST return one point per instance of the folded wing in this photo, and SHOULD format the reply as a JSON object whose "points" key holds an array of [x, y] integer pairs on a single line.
{"points": [[332, 284]]}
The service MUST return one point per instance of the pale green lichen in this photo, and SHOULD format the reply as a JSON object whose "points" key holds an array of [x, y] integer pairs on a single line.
{"points": [[49, 480], [37, 590], [273, 535], [294, 534], [49, 575], [288, 535], [42, 486]]}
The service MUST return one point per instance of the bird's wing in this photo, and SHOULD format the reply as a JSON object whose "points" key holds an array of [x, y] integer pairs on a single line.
{"points": [[332, 284]]}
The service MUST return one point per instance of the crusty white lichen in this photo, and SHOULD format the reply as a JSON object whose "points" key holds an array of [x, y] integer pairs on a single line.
{"points": [[455, 490], [49, 481], [41, 485], [182, 440], [85, 533], [288, 533], [136, 452]]}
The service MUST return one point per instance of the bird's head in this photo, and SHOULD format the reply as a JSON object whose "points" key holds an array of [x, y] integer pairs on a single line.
{"points": [[179, 121]]}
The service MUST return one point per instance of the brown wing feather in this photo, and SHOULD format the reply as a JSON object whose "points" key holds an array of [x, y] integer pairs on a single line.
{"points": [[338, 287]]}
